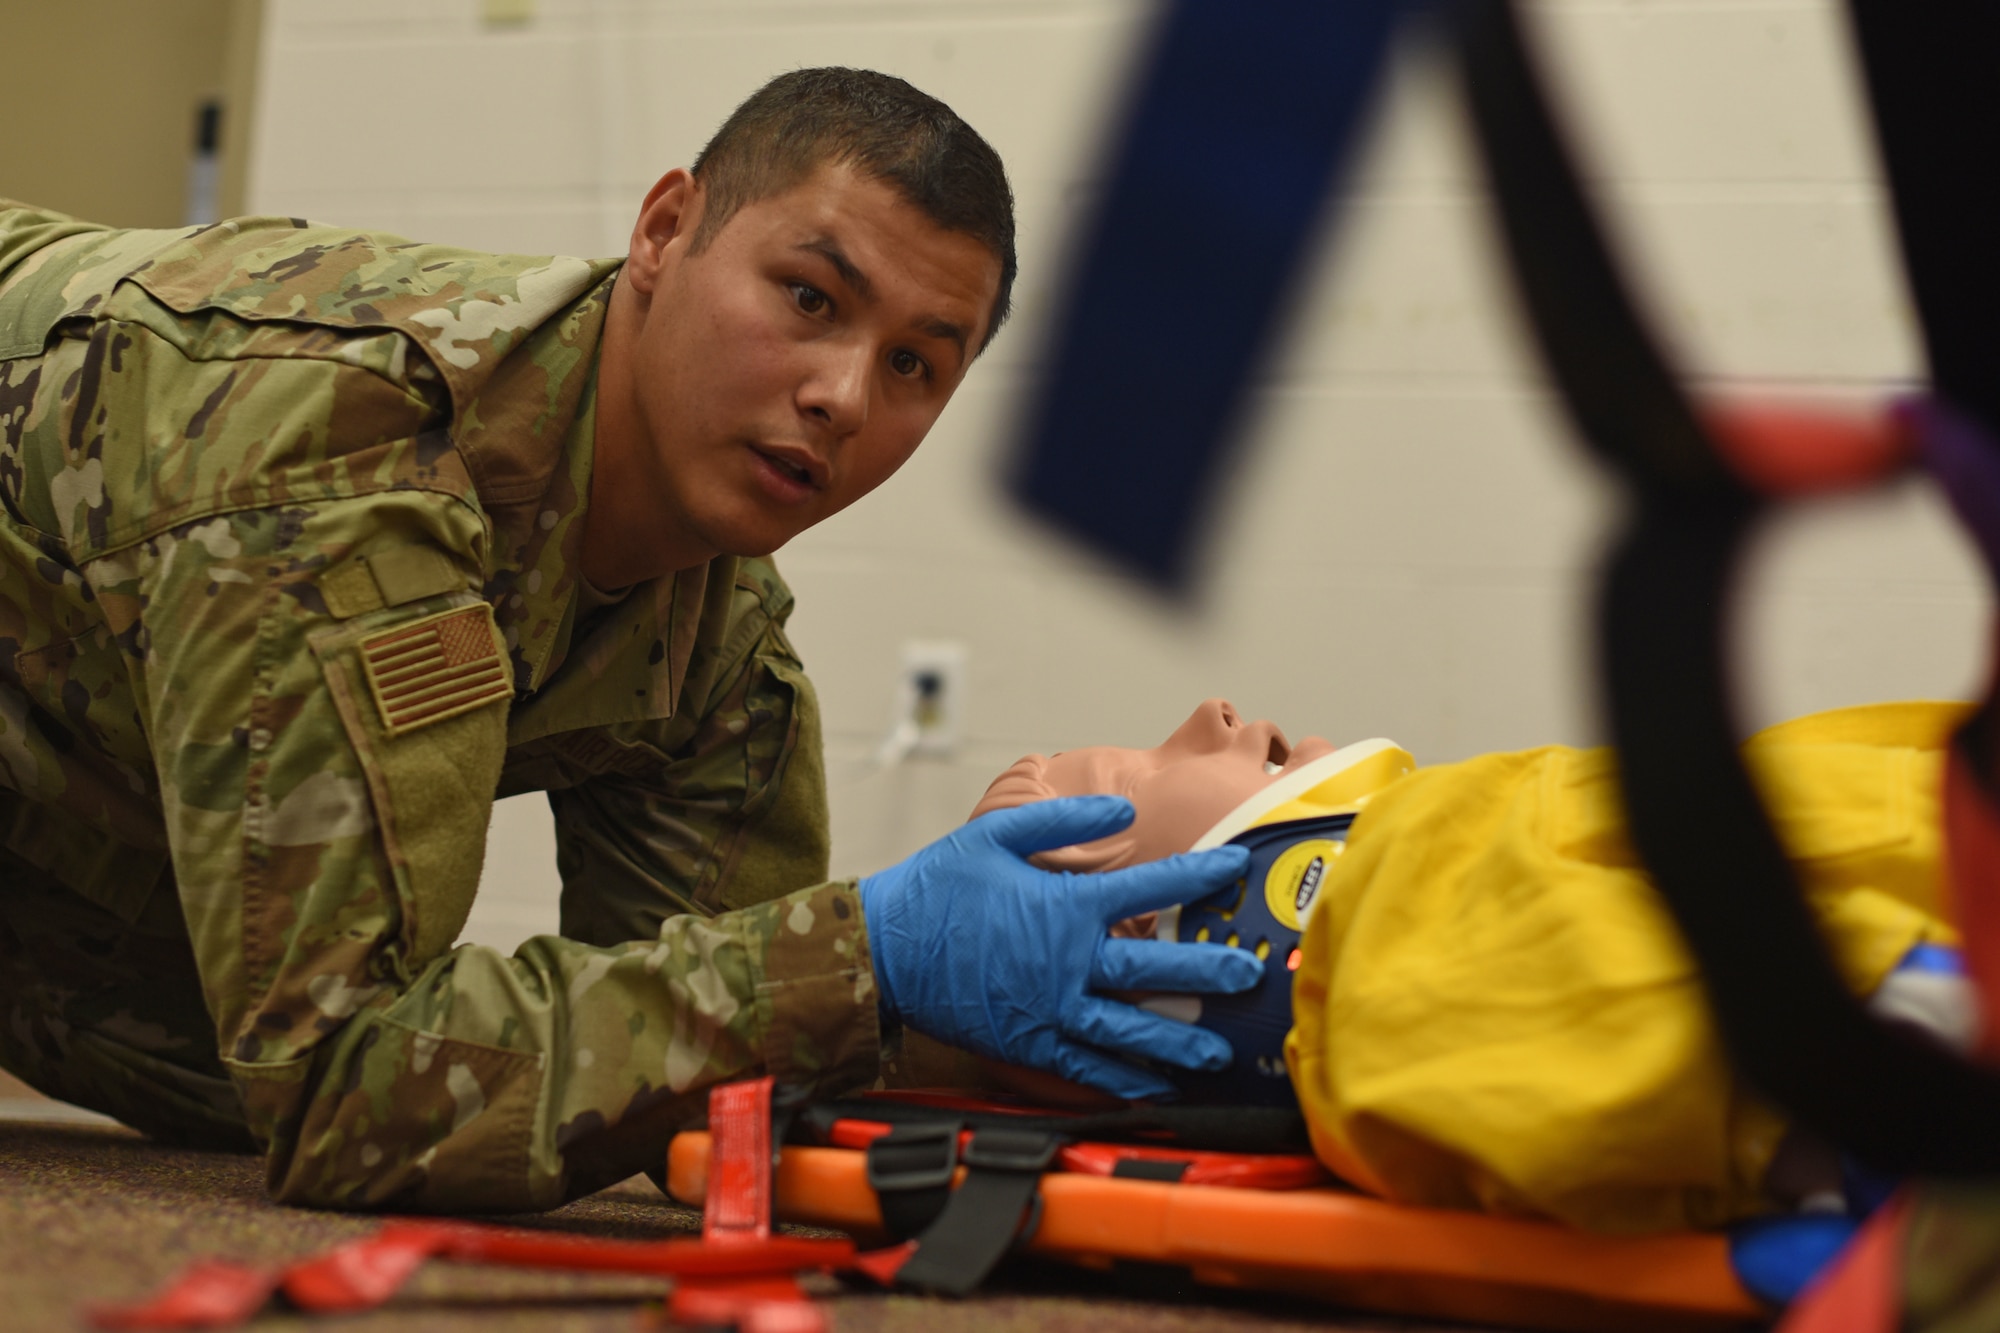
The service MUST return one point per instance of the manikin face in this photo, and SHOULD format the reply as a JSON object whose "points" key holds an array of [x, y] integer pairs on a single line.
{"points": [[1180, 788], [798, 359]]}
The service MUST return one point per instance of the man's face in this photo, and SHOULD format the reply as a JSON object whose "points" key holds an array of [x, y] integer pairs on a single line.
{"points": [[795, 362]]}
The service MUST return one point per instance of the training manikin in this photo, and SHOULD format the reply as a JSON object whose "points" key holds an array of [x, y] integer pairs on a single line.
{"points": [[1492, 1009]]}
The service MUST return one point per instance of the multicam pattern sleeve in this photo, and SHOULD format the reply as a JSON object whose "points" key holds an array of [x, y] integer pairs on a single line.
{"points": [[299, 658]]}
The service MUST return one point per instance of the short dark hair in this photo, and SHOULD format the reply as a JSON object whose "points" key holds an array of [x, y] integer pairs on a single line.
{"points": [[887, 129]]}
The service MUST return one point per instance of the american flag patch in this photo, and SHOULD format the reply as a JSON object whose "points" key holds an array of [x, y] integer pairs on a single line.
{"points": [[436, 668]]}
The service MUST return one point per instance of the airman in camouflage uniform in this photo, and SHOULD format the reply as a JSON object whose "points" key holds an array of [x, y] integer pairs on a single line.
{"points": [[303, 541], [304, 537], [244, 469]]}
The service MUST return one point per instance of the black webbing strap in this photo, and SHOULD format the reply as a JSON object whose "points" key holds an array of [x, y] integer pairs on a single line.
{"points": [[996, 1202], [1695, 817], [1936, 108], [1621, 397], [910, 1170], [963, 1233]]}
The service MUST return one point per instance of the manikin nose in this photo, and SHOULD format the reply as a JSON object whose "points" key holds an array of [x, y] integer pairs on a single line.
{"points": [[1216, 725], [1261, 737], [1212, 726]]}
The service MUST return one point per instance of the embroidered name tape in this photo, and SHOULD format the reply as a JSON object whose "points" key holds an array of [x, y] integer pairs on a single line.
{"points": [[436, 668]]}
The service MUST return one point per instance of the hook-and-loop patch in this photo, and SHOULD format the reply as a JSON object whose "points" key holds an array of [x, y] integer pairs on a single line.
{"points": [[436, 668]]}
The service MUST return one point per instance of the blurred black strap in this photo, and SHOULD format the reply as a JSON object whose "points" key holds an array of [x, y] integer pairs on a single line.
{"points": [[1696, 819]]}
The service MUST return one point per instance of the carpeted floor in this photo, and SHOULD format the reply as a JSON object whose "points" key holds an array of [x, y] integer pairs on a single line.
{"points": [[93, 1212]]}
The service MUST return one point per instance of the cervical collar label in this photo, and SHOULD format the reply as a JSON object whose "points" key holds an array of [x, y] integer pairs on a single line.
{"points": [[1292, 887]]}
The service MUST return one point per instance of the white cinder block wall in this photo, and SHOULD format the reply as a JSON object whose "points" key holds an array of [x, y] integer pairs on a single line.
{"points": [[1408, 542]]}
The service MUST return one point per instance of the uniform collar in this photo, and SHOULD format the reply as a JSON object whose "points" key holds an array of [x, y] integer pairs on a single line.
{"points": [[527, 436]]}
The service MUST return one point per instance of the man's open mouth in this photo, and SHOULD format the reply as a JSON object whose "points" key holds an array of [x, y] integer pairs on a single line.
{"points": [[798, 472]]}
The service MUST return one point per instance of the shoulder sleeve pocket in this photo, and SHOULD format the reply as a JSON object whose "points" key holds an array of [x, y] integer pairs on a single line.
{"points": [[422, 699]]}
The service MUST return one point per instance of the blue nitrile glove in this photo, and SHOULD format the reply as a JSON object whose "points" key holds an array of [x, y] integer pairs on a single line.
{"points": [[1777, 1258], [976, 947]]}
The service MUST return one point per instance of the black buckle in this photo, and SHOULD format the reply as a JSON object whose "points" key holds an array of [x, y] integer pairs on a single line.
{"points": [[1010, 1150], [913, 1157], [998, 1206]]}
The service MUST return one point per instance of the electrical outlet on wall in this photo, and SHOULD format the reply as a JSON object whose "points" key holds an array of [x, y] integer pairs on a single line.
{"points": [[930, 697]]}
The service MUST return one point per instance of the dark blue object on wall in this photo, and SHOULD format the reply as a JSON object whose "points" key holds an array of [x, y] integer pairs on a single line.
{"points": [[1236, 131]]}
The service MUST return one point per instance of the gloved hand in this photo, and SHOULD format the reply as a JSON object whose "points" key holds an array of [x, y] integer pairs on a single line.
{"points": [[976, 947]]}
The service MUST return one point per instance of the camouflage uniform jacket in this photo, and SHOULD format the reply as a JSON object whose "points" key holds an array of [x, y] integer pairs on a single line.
{"points": [[289, 521]]}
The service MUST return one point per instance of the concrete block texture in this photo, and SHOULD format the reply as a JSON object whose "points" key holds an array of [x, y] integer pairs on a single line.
{"points": [[1407, 542]]}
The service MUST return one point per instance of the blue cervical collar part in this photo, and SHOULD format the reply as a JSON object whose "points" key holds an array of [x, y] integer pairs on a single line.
{"points": [[1263, 912]]}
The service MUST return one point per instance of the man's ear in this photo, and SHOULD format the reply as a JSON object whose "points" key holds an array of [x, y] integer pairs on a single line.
{"points": [[671, 212]]}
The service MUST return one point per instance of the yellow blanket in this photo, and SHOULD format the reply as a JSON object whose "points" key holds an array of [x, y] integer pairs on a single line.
{"points": [[1495, 1011]]}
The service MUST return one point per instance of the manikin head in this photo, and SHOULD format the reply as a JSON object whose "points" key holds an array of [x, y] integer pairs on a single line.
{"points": [[793, 314], [1180, 789]]}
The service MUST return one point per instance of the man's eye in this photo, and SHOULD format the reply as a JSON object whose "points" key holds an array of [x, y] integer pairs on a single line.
{"points": [[905, 362], [810, 299]]}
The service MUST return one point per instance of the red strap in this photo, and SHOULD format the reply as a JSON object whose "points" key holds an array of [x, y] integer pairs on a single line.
{"points": [[362, 1274], [750, 1305], [738, 1260], [736, 1221], [861, 1133], [883, 1265], [1972, 848], [355, 1275], [1784, 449], [774, 1255], [1237, 1170], [738, 1207], [209, 1294], [1862, 1293]]}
